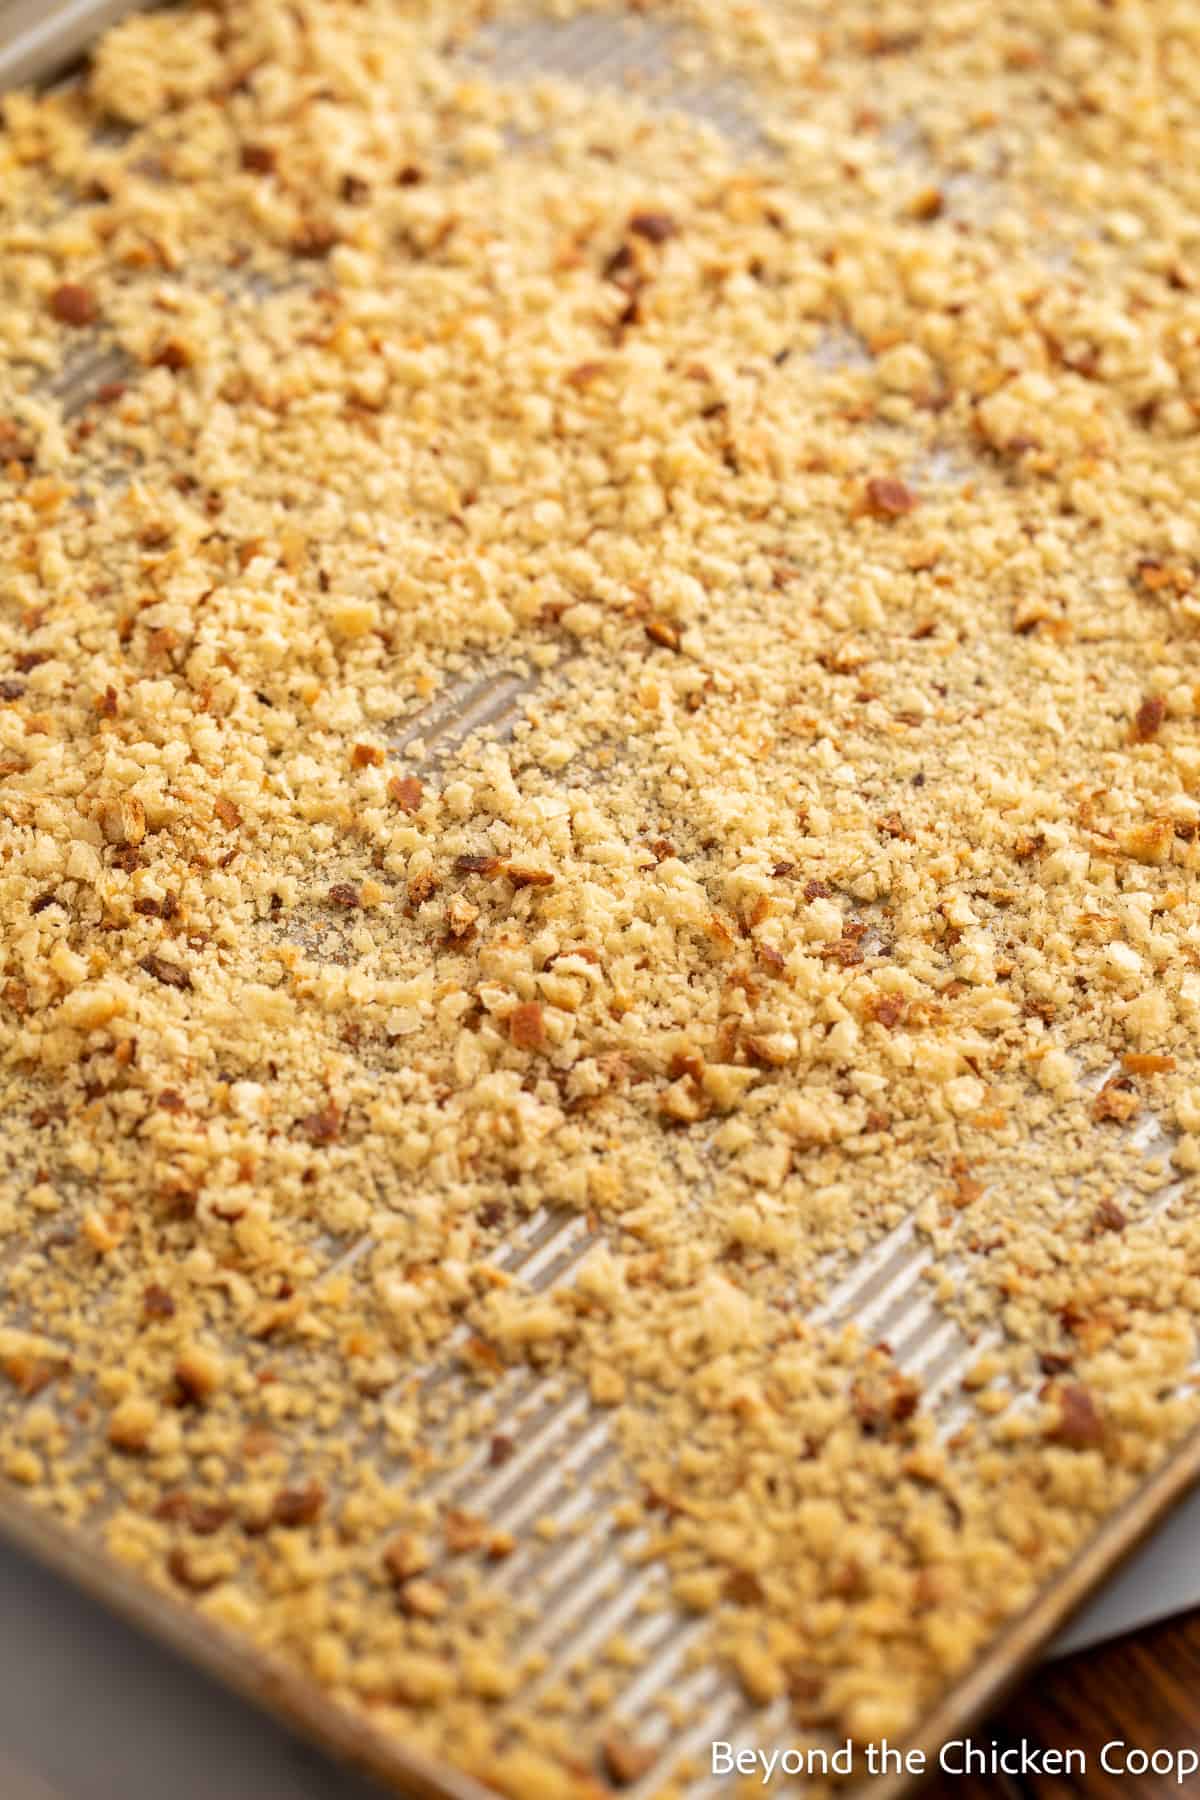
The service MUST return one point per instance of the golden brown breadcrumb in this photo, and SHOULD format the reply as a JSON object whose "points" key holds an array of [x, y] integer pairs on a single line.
{"points": [[553, 660]]}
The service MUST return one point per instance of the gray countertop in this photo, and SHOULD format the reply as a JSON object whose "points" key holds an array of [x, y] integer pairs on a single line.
{"points": [[92, 1710]]}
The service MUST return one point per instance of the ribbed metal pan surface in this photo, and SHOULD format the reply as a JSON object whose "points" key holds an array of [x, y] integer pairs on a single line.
{"points": [[583, 1585]]}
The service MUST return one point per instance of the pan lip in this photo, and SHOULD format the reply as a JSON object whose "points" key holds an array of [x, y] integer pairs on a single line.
{"points": [[301, 1704], [234, 1660], [49, 40], [1009, 1655]]}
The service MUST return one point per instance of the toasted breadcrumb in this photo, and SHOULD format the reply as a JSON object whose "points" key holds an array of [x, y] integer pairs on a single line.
{"points": [[831, 529]]}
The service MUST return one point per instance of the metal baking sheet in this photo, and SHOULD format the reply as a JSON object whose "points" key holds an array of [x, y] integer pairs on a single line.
{"points": [[585, 1589], [39, 38]]}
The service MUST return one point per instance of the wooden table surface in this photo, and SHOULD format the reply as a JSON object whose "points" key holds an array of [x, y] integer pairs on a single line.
{"points": [[72, 1677], [1143, 1688]]}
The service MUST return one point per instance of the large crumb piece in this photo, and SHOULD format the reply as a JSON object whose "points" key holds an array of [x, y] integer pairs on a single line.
{"points": [[598, 718]]}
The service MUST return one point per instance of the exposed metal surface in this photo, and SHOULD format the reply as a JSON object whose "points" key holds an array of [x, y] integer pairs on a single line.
{"points": [[38, 38], [576, 1578], [627, 51]]}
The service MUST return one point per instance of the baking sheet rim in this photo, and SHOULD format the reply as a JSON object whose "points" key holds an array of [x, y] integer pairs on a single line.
{"points": [[267, 1682]]}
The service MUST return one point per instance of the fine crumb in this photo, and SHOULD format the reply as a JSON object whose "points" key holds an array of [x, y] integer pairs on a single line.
{"points": [[598, 719]]}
